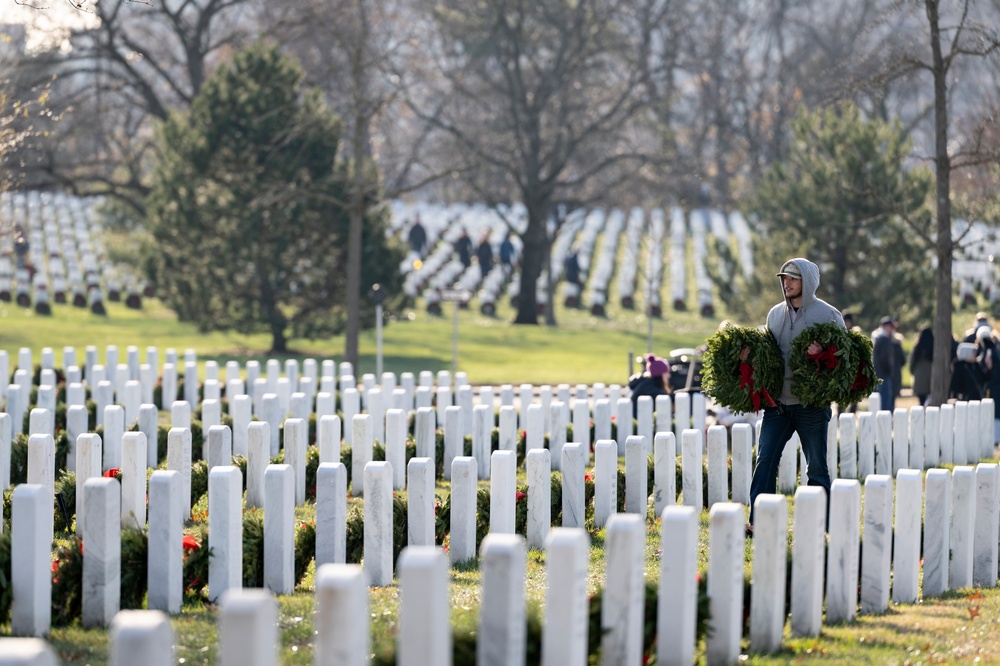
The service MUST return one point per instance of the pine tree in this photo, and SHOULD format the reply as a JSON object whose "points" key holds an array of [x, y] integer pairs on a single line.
{"points": [[247, 210]]}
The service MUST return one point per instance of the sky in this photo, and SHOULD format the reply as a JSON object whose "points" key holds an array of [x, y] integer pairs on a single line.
{"points": [[46, 20]]}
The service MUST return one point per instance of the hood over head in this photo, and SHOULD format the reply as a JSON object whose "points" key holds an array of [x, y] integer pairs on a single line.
{"points": [[809, 274]]}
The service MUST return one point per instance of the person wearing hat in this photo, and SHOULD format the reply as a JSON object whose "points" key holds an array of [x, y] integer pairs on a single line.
{"points": [[988, 359], [968, 374], [884, 359], [800, 309], [652, 382], [982, 319]]}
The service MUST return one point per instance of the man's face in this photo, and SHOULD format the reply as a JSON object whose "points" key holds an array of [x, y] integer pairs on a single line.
{"points": [[791, 286]]}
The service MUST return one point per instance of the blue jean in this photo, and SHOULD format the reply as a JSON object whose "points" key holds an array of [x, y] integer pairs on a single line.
{"points": [[888, 393], [776, 429]]}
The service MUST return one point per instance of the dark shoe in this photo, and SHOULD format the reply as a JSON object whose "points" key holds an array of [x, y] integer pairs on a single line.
{"points": [[749, 530]]}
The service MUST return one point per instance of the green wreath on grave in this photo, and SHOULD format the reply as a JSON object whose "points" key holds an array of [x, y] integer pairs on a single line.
{"points": [[826, 376], [743, 386]]}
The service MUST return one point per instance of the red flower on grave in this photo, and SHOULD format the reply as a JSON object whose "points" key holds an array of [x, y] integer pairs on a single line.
{"points": [[588, 477], [112, 473], [190, 542], [519, 496]]}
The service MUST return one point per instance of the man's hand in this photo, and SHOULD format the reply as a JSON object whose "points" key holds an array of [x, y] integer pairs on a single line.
{"points": [[814, 348], [744, 353]]}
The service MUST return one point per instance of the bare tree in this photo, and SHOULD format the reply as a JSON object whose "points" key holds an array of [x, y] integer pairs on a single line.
{"points": [[352, 50], [945, 44], [536, 99], [25, 120], [140, 61]]}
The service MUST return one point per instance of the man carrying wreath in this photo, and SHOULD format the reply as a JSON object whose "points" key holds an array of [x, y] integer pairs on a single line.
{"points": [[800, 309]]}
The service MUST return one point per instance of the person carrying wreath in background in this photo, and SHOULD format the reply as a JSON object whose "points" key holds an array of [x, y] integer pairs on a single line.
{"points": [[800, 309]]}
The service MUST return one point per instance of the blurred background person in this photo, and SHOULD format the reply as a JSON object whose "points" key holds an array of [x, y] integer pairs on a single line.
{"points": [[920, 363], [652, 381]]}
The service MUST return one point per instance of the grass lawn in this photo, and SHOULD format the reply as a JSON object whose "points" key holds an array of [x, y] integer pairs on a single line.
{"points": [[582, 349], [962, 626]]}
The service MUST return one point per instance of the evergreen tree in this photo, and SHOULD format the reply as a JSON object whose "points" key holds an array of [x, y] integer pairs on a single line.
{"points": [[846, 199], [247, 210]]}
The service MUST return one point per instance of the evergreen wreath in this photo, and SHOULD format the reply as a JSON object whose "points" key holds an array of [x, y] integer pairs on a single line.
{"points": [[825, 377], [865, 380], [743, 386]]}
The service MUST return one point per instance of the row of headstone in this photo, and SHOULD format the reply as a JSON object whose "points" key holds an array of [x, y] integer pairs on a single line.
{"points": [[132, 385], [584, 243], [652, 281], [962, 552], [221, 444], [248, 626], [604, 266], [635, 228], [959, 550], [702, 281], [882, 442], [56, 253], [440, 270], [957, 511], [104, 506]]}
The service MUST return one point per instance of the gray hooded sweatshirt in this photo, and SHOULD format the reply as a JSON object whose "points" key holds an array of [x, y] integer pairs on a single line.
{"points": [[812, 311]]}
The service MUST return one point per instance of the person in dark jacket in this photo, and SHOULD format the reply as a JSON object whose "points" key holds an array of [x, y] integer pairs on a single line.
{"points": [[885, 360], [507, 252], [484, 253], [920, 363], [571, 267], [652, 382], [967, 376], [463, 248], [988, 357], [418, 238], [899, 359]]}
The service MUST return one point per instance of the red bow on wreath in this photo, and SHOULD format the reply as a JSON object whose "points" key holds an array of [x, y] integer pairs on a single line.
{"points": [[746, 381], [827, 356], [860, 381]]}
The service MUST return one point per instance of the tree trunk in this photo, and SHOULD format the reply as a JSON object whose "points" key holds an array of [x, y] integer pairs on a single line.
{"points": [[360, 147], [353, 281], [279, 342], [941, 366], [531, 265], [550, 283]]}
